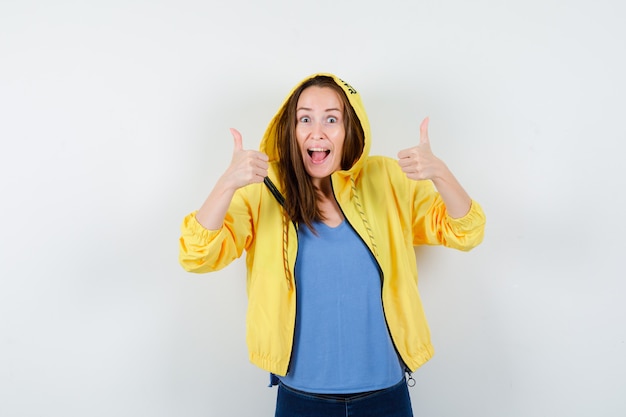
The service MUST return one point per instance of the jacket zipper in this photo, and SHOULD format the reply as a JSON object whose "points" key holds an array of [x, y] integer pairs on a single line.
{"points": [[295, 292]]}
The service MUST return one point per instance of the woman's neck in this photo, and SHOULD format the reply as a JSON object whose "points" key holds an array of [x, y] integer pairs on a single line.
{"points": [[327, 203]]}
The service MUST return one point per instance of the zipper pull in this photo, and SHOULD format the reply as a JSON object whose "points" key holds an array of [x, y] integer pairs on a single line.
{"points": [[410, 381]]}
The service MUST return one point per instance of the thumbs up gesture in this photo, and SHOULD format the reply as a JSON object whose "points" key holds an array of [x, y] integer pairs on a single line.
{"points": [[418, 162], [246, 166]]}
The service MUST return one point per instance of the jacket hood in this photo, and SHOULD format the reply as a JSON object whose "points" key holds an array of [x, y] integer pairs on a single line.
{"points": [[268, 143]]}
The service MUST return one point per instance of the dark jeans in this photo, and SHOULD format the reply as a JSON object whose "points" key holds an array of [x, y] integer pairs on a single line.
{"points": [[389, 402]]}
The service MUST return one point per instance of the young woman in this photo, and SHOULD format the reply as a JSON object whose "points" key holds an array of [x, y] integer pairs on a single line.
{"points": [[334, 312]]}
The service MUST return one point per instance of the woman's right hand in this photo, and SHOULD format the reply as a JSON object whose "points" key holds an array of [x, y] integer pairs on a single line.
{"points": [[246, 167]]}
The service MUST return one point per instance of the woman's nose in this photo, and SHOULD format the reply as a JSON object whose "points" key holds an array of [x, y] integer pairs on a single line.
{"points": [[317, 130]]}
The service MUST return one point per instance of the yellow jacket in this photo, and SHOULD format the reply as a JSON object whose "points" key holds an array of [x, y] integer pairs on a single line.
{"points": [[390, 212]]}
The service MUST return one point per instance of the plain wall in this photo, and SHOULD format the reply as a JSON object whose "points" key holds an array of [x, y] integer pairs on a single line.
{"points": [[114, 120]]}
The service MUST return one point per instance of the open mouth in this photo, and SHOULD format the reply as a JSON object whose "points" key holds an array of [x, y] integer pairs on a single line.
{"points": [[318, 155]]}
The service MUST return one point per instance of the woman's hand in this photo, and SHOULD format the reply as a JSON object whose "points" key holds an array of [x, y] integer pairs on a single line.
{"points": [[246, 166], [418, 162]]}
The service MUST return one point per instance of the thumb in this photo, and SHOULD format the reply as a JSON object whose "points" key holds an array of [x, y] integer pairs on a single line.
{"points": [[424, 131], [237, 138]]}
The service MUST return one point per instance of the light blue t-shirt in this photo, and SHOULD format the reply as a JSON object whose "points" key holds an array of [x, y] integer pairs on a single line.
{"points": [[341, 343]]}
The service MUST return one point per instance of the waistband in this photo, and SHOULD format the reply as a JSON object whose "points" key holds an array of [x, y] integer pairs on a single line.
{"points": [[342, 397]]}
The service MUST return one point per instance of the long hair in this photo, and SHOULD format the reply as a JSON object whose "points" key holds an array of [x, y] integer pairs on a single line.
{"points": [[300, 193]]}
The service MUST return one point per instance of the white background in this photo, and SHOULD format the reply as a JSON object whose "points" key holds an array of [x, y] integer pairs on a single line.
{"points": [[114, 120]]}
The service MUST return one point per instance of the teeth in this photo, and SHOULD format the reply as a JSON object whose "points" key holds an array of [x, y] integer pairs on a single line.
{"points": [[311, 150]]}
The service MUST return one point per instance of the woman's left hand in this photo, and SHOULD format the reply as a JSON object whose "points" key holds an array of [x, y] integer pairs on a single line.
{"points": [[419, 162]]}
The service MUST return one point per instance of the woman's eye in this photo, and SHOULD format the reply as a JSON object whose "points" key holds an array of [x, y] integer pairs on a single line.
{"points": [[304, 119], [332, 120]]}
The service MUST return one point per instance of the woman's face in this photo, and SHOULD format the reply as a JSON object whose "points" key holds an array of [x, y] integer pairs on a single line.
{"points": [[320, 131]]}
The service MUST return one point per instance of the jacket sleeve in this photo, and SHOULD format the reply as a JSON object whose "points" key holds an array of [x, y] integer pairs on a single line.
{"points": [[433, 226], [202, 250]]}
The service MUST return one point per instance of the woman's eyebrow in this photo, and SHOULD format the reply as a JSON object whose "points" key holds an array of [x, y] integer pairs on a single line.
{"points": [[308, 109]]}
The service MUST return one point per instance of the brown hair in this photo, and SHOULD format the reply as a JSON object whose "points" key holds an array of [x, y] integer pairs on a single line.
{"points": [[300, 193]]}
